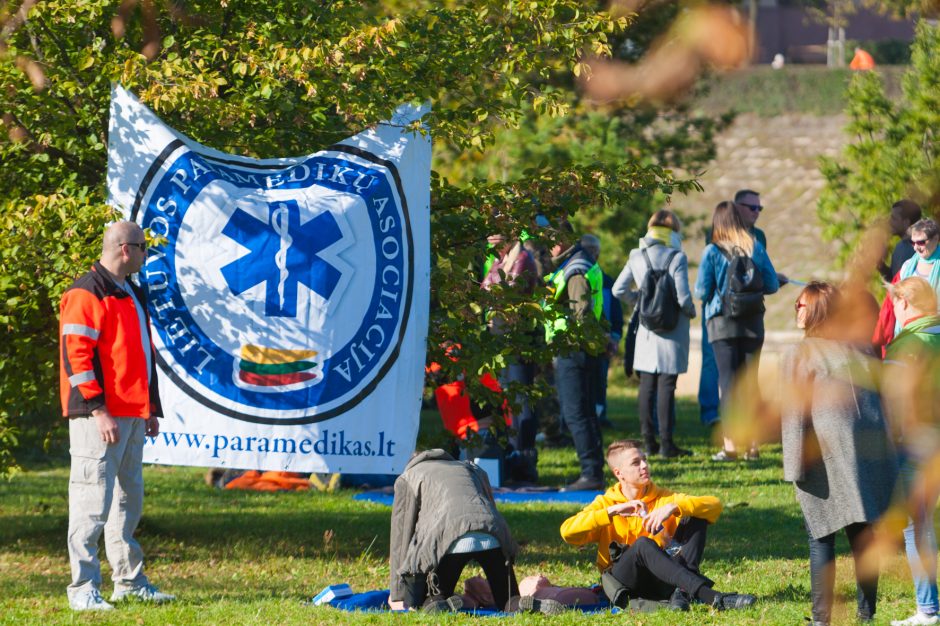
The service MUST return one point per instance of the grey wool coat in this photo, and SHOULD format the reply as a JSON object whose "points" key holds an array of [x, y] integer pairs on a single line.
{"points": [[837, 450], [666, 353], [438, 500]]}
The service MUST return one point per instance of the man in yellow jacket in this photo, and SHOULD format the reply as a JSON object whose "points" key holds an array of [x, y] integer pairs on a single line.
{"points": [[650, 540]]}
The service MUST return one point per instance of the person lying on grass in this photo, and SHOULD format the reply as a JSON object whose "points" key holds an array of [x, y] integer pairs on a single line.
{"points": [[650, 540]]}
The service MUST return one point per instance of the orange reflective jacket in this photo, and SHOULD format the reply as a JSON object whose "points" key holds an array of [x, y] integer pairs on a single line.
{"points": [[102, 361]]}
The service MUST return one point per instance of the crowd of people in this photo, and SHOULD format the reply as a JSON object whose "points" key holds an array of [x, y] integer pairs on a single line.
{"points": [[857, 416], [859, 397]]}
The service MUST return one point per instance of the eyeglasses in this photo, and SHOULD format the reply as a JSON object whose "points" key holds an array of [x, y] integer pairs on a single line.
{"points": [[920, 242], [754, 207], [799, 305], [140, 246]]}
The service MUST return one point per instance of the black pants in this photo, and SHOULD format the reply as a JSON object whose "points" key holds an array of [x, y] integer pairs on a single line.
{"points": [[730, 356], [443, 580], [648, 572], [575, 386], [662, 387], [822, 572]]}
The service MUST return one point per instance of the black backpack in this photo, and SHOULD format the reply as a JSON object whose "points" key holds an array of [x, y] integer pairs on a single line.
{"points": [[659, 304], [744, 286]]}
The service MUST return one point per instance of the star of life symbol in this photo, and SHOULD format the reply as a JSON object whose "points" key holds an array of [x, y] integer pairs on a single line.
{"points": [[283, 253]]}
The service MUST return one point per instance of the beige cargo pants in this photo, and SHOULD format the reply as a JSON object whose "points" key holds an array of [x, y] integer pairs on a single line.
{"points": [[106, 493]]}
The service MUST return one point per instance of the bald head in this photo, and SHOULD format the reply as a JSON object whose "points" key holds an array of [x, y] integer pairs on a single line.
{"points": [[118, 258]]}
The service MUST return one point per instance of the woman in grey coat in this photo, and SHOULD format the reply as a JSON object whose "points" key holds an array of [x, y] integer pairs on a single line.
{"points": [[836, 446], [659, 357]]}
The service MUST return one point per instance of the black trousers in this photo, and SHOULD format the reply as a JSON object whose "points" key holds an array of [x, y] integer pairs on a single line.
{"points": [[730, 356], [443, 580], [648, 572], [662, 387], [822, 573]]}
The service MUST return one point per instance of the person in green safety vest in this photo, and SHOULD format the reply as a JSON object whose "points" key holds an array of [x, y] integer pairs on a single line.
{"points": [[577, 284]]}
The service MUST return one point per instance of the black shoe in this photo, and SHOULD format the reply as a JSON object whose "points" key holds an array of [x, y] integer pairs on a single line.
{"points": [[731, 601], [679, 600], [584, 483], [438, 604], [531, 604], [652, 447], [671, 451], [643, 605]]}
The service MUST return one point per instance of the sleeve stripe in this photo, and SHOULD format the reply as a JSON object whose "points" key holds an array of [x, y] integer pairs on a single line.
{"points": [[82, 377], [80, 329]]}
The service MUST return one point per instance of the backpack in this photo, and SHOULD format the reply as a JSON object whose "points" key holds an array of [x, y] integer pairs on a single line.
{"points": [[659, 304], [744, 286]]}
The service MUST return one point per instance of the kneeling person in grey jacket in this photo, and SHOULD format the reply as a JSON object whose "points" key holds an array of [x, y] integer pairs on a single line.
{"points": [[443, 517]]}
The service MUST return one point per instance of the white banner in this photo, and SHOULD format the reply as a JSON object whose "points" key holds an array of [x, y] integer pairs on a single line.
{"points": [[289, 299]]}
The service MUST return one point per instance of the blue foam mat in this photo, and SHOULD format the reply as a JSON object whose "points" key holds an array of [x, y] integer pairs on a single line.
{"points": [[562, 497], [377, 601]]}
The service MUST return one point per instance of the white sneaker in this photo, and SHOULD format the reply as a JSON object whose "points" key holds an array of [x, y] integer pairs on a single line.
{"points": [[146, 593], [90, 600], [917, 619]]}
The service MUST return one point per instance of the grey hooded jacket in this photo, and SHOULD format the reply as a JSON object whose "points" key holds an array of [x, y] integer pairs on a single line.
{"points": [[438, 500]]}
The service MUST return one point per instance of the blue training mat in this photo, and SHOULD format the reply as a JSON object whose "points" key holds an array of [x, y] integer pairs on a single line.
{"points": [[562, 497], [377, 601]]}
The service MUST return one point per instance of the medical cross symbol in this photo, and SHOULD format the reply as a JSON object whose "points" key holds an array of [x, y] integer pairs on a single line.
{"points": [[283, 253]]}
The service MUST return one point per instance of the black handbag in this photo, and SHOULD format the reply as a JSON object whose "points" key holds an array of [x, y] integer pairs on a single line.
{"points": [[629, 343]]}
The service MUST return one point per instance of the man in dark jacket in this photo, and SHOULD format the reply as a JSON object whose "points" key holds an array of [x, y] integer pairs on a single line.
{"points": [[109, 393], [443, 517]]}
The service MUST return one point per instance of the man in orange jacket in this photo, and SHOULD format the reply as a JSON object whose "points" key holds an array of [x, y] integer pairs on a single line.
{"points": [[109, 394], [634, 524]]}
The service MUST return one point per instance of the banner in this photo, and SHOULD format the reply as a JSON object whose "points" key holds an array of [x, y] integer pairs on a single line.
{"points": [[288, 297]]}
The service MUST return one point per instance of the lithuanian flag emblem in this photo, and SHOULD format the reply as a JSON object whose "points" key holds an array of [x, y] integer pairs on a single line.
{"points": [[260, 366]]}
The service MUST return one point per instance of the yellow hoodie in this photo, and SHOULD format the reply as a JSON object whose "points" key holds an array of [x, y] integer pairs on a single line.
{"points": [[594, 525]]}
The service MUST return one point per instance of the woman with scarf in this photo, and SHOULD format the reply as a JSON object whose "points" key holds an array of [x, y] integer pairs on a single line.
{"points": [[659, 357], [925, 235]]}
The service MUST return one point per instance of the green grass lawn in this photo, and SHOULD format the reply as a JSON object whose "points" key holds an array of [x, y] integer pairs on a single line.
{"points": [[253, 558]]}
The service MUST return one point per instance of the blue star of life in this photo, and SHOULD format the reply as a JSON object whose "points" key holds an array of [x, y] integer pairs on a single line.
{"points": [[282, 254]]}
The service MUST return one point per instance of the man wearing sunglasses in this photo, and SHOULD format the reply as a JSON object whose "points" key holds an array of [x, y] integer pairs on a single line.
{"points": [[109, 395]]}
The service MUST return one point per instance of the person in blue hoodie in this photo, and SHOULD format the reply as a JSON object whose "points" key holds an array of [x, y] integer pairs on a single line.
{"points": [[735, 340]]}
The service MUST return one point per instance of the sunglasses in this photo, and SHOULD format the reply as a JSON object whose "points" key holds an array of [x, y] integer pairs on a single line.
{"points": [[753, 207], [140, 246], [920, 242], [799, 305]]}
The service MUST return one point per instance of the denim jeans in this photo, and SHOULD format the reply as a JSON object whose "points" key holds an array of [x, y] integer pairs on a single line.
{"points": [[573, 373], [822, 573], [708, 400], [920, 539]]}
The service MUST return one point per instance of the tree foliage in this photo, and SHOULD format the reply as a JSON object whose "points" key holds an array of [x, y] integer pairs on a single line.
{"points": [[289, 77], [894, 149]]}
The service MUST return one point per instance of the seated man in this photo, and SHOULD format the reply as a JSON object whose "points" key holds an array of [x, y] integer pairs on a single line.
{"points": [[634, 523], [443, 517]]}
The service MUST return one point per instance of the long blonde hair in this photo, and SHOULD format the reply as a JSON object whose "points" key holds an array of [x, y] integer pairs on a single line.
{"points": [[728, 229]]}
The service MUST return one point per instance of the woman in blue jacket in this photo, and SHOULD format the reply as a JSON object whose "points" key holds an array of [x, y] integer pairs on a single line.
{"points": [[736, 338]]}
